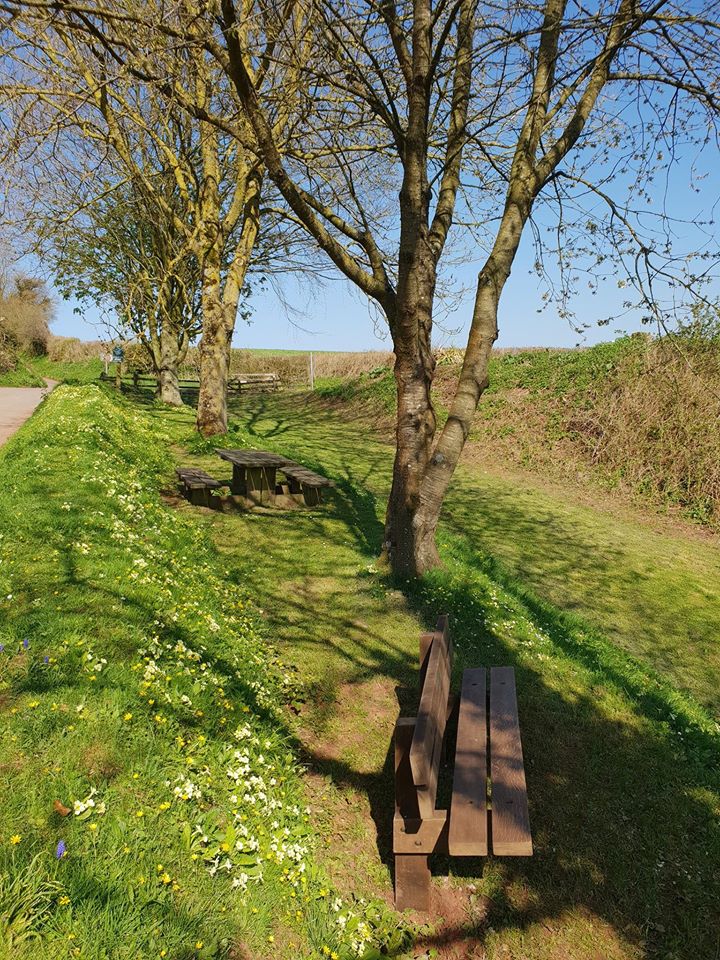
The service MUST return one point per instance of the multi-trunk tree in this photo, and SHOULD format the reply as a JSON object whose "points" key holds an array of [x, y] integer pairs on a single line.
{"points": [[483, 111]]}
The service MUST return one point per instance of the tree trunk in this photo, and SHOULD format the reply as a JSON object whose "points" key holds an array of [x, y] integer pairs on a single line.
{"points": [[406, 544], [219, 307], [422, 474], [168, 388], [214, 356]]}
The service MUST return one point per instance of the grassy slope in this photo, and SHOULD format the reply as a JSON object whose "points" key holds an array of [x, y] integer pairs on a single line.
{"points": [[622, 766], [134, 675], [31, 371]]}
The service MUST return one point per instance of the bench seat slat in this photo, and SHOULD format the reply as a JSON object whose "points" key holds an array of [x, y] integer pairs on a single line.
{"points": [[468, 835], [191, 476], [510, 817], [426, 748], [303, 475]]}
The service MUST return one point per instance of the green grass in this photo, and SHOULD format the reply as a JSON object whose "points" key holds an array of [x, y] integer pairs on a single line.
{"points": [[616, 691], [144, 719], [608, 621], [23, 375]]}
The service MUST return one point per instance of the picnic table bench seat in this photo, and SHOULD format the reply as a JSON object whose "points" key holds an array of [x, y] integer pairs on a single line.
{"points": [[488, 810], [197, 485], [307, 483]]}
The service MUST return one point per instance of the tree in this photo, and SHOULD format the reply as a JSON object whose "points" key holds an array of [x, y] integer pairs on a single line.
{"points": [[199, 188], [26, 311], [127, 257], [487, 114]]}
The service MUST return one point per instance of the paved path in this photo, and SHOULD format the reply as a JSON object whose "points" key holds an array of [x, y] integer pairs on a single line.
{"points": [[16, 405]]}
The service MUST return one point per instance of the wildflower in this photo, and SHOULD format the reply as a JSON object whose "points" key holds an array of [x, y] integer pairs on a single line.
{"points": [[26, 642], [93, 826], [15, 839], [61, 850], [128, 716], [64, 900], [139, 813], [46, 659], [199, 945]]}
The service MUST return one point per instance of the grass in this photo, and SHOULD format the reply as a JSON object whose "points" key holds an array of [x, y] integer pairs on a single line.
{"points": [[617, 694], [619, 734], [22, 376], [145, 738]]}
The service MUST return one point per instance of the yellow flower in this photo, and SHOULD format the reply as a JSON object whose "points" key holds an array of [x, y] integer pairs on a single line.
{"points": [[164, 806], [64, 900], [15, 839], [128, 716], [166, 878], [163, 953], [271, 939], [139, 813], [93, 826], [199, 945]]}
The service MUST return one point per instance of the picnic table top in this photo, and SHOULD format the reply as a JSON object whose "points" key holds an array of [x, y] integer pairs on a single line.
{"points": [[253, 458]]}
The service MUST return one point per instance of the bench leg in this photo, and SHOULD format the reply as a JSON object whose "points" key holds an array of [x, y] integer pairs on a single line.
{"points": [[412, 882], [295, 489], [312, 495], [239, 481]]}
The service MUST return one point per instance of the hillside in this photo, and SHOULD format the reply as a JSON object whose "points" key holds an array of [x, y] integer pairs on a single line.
{"points": [[639, 416]]}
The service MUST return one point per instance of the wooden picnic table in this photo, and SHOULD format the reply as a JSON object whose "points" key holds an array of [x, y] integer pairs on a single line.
{"points": [[253, 473], [254, 477]]}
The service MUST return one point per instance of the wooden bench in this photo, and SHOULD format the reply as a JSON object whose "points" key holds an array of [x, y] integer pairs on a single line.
{"points": [[197, 485], [488, 809], [305, 483]]}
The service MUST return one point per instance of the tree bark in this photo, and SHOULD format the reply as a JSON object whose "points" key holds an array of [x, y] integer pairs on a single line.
{"points": [[168, 386], [219, 309], [214, 353], [422, 472]]}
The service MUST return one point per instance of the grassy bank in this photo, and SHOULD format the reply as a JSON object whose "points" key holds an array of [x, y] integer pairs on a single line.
{"points": [[152, 800], [635, 415]]}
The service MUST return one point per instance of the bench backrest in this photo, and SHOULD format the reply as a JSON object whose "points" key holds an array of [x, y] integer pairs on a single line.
{"points": [[436, 656]]}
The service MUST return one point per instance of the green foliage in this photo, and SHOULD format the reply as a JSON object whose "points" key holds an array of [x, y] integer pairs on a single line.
{"points": [[377, 388], [23, 374]]}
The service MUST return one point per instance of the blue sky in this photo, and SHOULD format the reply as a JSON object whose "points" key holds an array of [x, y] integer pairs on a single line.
{"points": [[335, 316]]}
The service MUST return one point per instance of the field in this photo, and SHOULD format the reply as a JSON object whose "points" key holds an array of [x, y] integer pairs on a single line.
{"points": [[153, 624]]}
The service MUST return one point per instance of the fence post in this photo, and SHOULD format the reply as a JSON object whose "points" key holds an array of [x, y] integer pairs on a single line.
{"points": [[312, 372]]}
